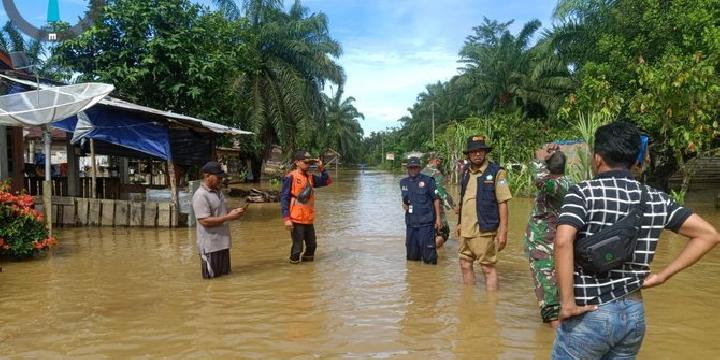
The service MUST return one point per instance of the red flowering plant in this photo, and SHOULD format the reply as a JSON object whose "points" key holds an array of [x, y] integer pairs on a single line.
{"points": [[22, 228]]}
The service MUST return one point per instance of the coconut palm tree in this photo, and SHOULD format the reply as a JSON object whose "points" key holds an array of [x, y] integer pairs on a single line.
{"points": [[343, 132], [229, 7], [502, 71], [293, 57]]}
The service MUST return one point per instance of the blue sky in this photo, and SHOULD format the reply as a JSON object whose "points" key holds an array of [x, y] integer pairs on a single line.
{"points": [[391, 48]]}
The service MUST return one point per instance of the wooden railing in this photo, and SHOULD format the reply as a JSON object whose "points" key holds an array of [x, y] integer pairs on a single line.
{"points": [[71, 211]]}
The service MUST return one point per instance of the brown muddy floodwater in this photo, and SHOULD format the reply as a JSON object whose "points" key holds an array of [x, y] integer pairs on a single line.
{"points": [[137, 293]]}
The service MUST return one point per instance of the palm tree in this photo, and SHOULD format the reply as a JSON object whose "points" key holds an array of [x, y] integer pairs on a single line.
{"points": [[229, 8], [502, 71], [342, 128], [11, 40], [294, 56]]}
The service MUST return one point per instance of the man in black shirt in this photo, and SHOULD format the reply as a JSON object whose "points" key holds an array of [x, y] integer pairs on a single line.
{"points": [[602, 314]]}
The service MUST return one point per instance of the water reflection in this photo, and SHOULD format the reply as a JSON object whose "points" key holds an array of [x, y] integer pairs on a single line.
{"points": [[124, 293]]}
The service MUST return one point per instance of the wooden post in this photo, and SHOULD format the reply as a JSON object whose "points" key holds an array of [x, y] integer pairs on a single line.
{"points": [[93, 184], [4, 159], [173, 191], [47, 184], [73, 170], [18, 159]]}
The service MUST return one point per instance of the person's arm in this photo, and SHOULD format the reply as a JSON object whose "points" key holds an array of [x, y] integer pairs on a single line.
{"points": [[564, 263], [324, 178], [703, 237], [503, 195], [438, 218], [203, 213], [502, 232], [433, 193], [285, 197], [234, 214]]}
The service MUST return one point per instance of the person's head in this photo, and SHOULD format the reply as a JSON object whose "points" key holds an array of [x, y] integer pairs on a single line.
{"points": [[616, 146], [556, 163], [413, 166], [303, 160], [477, 150], [213, 174]]}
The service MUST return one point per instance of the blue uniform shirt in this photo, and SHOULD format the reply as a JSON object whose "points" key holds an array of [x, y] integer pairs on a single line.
{"points": [[418, 193]]}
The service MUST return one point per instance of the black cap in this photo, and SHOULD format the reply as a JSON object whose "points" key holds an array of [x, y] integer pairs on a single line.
{"points": [[413, 161], [477, 142], [302, 155], [213, 168]]}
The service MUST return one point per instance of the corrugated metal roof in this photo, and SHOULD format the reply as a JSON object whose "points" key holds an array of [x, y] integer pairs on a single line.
{"points": [[169, 115]]}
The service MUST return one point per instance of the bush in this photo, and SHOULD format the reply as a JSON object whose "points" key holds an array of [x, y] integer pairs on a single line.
{"points": [[23, 232]]}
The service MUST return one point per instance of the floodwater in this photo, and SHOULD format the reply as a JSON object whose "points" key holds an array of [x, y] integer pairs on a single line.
{"points": [[138, 293]]}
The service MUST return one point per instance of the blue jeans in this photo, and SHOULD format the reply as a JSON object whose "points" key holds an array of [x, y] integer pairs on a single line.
{"points": [[613, 331]]}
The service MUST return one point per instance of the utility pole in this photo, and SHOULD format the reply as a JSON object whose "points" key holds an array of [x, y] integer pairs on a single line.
{"points": [[382, 148], [433, 123]]}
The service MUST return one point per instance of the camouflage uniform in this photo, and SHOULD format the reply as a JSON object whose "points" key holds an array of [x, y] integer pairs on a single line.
{"points": [[540, 235], [445, 199]]}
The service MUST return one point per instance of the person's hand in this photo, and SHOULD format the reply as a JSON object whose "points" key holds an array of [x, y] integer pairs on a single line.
{"points": [[405, 207], [544, 153], [457, 210], [439, 241], [653, 280], [458, 231], [320, 164], [288, 225], [567, 312], [236, 213], [500, 241]]}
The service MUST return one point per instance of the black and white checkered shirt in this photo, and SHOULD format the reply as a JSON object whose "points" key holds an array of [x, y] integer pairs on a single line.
{"points": [[593, 205]]}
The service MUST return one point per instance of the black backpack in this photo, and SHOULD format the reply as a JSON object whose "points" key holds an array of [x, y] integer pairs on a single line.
{"points": [[613, 246]]}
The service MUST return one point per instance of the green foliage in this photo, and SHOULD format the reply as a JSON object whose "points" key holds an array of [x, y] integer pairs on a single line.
{"points": [[168, 54], [291, 58], [520, 180], [342, 131], [264, 72], [678, 196], [651, 62]]}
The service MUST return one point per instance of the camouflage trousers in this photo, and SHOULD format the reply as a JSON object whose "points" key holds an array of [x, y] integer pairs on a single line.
{"points": [[539, 238]]}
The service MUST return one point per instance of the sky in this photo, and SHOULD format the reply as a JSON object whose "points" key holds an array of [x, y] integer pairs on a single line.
{"points": [[391, 48]]}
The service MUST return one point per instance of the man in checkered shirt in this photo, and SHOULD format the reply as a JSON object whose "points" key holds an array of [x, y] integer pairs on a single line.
{"points": [[602, 314]]}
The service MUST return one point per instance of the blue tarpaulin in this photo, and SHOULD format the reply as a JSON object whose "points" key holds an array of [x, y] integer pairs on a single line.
{"points": [[126, 129]]}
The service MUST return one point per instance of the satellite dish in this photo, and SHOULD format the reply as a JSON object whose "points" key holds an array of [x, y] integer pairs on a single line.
{"points": [[40, 107]]}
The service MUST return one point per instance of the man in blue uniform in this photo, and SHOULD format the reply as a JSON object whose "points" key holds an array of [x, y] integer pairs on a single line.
{"points": [[422, 213]]}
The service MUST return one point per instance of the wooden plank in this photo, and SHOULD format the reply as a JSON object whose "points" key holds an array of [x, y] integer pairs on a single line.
{"points": [[83, 205], [151, 212], [174, 215], [108, 212], [164, 215], [122, 212], [67, 213], [136, 214], [95, 211]]}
